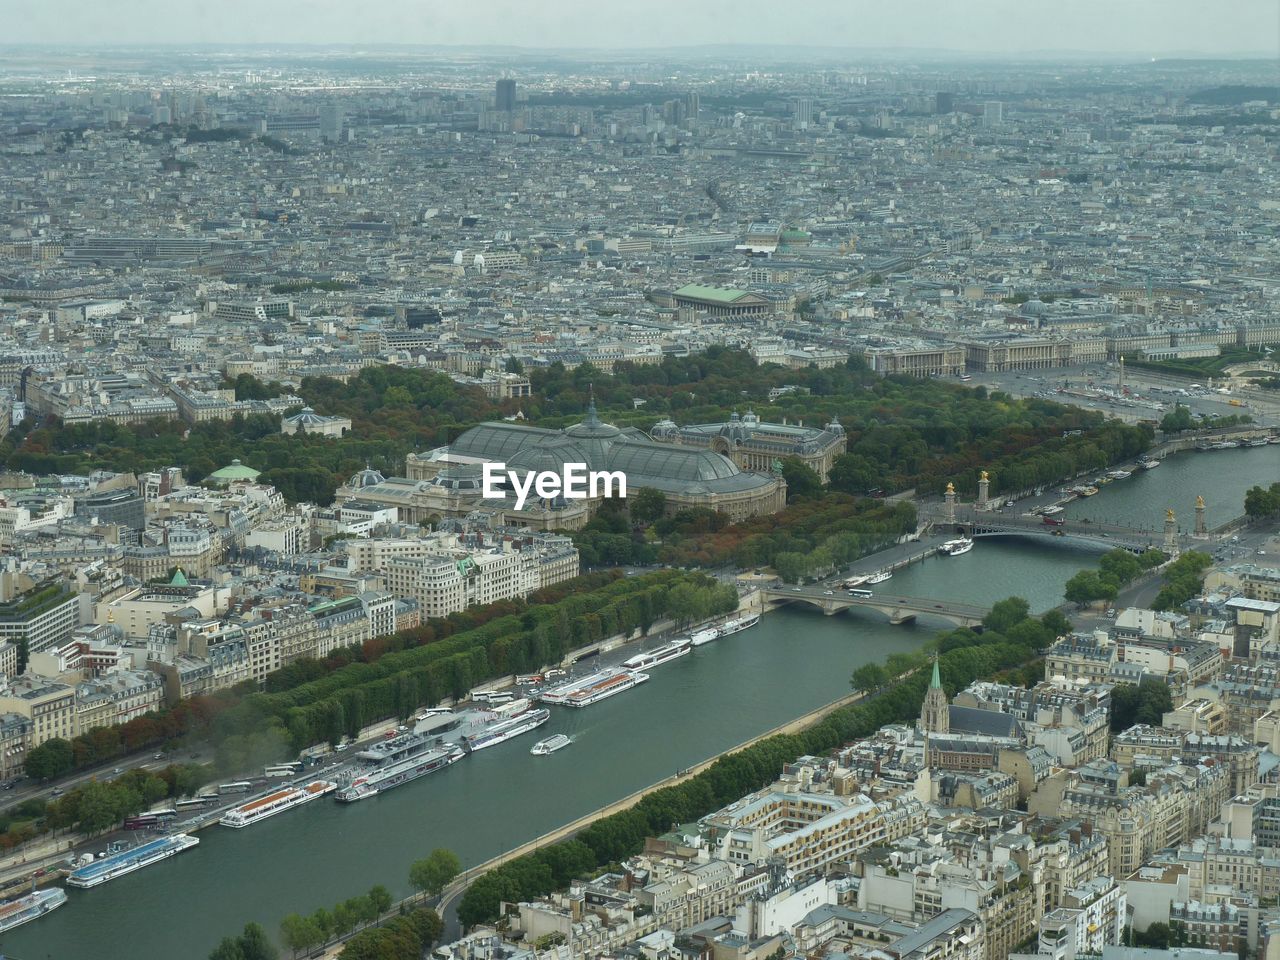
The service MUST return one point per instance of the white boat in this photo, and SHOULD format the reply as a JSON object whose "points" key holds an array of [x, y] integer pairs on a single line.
{"points": [[550, 745], [126, 861], [1257, 442], [1149, 464], [14, 913], [395, 762], [880, 577], [739, 624], [593, 688], [705, 636], [954, 548], [1119, 474], [659, 655], [1052, 511], [278, 801], [505, 728], [854, 582]]}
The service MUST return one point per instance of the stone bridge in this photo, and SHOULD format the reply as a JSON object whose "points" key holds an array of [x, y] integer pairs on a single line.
{"points": [[897, 609], [981, 523]]}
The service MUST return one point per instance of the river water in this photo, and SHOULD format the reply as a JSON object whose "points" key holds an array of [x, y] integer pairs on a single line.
{"points": [[1220, 476], [692, 708]]}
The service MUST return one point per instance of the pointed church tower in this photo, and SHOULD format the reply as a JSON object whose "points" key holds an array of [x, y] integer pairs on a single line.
{"points": [[935, 715]]}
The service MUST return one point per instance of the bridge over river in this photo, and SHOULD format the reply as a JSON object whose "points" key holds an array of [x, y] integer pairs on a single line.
{"points": [[981, 523], [897, 609]]}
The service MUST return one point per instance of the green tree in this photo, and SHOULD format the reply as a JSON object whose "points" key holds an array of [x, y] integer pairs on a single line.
{"points": [[1056, 622], [323, 921], [1260, 502], [1086, 587], [343, 918], [227, 949], [434, 872], [802, 481], [869, 677], [380, 897], [1006, 613], [300, 933], [513, 365], [255, 945], [1177, 420], [51, 759], [647, 506]]}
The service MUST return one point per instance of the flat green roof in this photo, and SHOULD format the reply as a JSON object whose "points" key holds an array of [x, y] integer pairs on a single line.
{"points": [[720, 294]]}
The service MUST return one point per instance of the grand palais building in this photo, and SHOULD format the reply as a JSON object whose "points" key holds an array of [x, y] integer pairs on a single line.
{"points": [[699, 468]]}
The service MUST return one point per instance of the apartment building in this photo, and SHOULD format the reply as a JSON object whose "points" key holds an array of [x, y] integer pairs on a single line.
{"points": [[49, 705]]}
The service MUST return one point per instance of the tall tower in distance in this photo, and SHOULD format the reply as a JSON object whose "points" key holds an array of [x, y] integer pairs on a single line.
{"points": [[993, 113], [504, 99], [802, 113], [935, 715]]}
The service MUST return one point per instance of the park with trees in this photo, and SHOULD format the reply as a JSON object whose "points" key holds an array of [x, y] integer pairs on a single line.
{"points": [[902, 432]]}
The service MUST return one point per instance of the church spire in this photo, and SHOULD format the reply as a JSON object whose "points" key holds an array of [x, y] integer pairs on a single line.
{"points": [[935, 713], [593, 418]]}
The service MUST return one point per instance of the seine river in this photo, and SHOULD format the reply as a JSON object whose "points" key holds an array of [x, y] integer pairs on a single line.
{"points": [[692, 708], [1220, 476]]}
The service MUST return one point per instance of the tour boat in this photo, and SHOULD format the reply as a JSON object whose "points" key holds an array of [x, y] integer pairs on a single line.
{"points": [[278, 801], [704, 636], [14, 913], [550, 745], [730, 627]]}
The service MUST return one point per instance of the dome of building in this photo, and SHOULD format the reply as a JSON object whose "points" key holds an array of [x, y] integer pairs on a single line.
{"points": [[467, 477], [592, 427], [234, 471], [664, 429], [368, 477]]}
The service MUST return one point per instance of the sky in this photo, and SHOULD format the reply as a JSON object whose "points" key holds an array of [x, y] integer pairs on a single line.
{"points": [[1144, 27]]}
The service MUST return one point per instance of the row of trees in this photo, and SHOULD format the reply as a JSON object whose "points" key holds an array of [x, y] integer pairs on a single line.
{"points": [[241, 744], [1116, 570], [342, 702], [430, 876], [407, 937], [1180, 420], [252, 944], [812, 535], [966, 657], [101, 805], [1261, 503], [301, 933], [1183, 580], [21, 822]]}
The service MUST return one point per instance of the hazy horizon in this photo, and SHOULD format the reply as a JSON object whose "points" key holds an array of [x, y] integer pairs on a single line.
{"points": [[1188, 28]]}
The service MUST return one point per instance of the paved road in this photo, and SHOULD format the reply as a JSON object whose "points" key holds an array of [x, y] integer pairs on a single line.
{"points": [[1146, 388]]}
